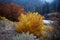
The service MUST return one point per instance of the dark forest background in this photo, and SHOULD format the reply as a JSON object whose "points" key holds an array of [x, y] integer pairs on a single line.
{"points": [[36, 5]]}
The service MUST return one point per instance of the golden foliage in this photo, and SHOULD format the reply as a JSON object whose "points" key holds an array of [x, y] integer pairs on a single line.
{"points": [[32, 22]]}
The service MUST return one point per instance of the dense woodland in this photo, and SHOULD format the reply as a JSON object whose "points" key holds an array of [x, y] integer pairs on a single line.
{"points": [[37, 5]]}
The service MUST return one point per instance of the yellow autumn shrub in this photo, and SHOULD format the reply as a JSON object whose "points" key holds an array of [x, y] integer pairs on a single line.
{"points": [[31, 22]]}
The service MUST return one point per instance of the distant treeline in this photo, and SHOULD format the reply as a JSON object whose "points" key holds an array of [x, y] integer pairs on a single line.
{"points": [[37, 6]]}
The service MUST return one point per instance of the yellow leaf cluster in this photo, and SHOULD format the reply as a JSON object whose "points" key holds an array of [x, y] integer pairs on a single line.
{"points": [[6, 20], [32, 22]]}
